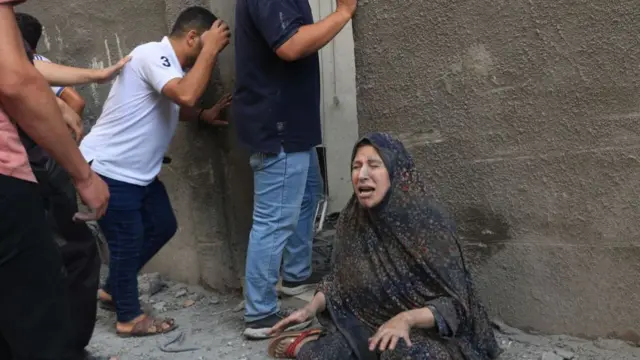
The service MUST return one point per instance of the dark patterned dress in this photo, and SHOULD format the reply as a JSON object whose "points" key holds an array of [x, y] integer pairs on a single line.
{"points": [[401, 255]]}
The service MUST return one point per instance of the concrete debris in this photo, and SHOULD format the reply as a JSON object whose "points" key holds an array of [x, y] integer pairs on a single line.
{"points": [[150, 284], [567, 355], [215, 324], [550, 356]]}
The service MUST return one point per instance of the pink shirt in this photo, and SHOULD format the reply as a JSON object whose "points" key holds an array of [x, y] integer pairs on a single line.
{"points": [[13, 156]]}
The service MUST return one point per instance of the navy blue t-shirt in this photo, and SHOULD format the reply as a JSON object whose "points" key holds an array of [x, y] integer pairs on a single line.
{"points": [[276, 104]]}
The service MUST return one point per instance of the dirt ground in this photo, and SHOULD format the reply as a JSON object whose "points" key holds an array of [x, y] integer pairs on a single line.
{"points": [[211, 327]]}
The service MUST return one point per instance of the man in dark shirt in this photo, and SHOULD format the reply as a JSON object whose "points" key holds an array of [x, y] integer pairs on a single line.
{"points": [[277, 111]]}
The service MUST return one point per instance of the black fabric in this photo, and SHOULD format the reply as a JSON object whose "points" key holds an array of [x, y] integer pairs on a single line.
{"points": [[34, 307], [77, 246]]}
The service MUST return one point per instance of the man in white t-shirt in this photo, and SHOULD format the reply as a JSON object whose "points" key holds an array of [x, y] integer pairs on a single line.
{"points": [[127, 144]]}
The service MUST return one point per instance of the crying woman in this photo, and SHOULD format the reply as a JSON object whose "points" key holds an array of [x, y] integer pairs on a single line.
{"points": [[399, 287]]}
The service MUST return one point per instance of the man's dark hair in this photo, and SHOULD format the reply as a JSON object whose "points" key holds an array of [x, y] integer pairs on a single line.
{"points": [[193, 18], [30, 28]]}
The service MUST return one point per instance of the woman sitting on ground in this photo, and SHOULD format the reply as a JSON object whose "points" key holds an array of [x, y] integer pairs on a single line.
{"points": [[399, 288]]}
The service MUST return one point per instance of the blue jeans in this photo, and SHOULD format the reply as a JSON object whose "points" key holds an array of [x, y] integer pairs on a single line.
{"points": [[138, 223], [287, 188]]}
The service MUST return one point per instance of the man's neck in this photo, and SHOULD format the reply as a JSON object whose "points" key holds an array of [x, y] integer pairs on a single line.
{"points": [[180, 53]]}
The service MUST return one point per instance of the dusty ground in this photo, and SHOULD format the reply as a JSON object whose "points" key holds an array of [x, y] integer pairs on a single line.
{"points": [[212, 326]]}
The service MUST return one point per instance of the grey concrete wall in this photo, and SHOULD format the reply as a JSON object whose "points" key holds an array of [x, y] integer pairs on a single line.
{"points": [[523, 115], [209, 181]]}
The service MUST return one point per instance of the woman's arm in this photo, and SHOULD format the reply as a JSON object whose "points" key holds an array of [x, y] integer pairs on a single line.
{"points": [[318, 304]]}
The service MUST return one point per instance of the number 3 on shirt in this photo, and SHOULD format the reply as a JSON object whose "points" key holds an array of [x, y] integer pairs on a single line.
{"points": [[165, 61]]}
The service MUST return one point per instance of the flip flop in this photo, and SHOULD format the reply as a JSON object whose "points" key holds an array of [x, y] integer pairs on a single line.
{"points": [[284, 346]]}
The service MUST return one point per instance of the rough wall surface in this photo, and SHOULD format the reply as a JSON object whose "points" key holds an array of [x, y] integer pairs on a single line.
{"points": [[523, 116], [209, 181]]}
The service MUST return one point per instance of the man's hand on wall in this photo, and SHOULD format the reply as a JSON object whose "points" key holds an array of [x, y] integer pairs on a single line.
{"points": [[212, 116], [349, 6]]}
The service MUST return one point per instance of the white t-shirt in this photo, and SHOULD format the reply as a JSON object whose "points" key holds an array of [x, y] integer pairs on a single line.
{"points": [[56, 89], [137, 123]]}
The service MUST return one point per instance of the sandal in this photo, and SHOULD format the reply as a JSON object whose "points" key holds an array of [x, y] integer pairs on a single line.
{"points": [[284, 346], [149, 326]]}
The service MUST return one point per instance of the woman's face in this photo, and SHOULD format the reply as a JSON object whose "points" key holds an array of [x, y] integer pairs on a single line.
{"points": [[369, 176]]}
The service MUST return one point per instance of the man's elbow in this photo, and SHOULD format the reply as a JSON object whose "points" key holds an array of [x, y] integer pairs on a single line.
{"points": [[289, 52], [187, 100]]}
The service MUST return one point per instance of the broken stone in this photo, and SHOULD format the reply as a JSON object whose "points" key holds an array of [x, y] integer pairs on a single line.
{"points": [[181, 293], [150, 284], [177, 287], [550, 356], [567, 355], [195, 297], [188, 303], [239, 307], [160, 307], [214, 300]]}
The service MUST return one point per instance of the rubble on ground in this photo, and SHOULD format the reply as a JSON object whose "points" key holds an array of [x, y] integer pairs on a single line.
{"points": [[211, 326]]}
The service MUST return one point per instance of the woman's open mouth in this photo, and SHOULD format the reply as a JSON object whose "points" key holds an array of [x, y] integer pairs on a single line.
{"points": [[365, 191]]}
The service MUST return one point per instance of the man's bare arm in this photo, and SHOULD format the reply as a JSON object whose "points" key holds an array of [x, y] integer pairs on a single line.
{"points": [[61, 75], [27, 98], [73, 99], [311, 38], [187, 91]]}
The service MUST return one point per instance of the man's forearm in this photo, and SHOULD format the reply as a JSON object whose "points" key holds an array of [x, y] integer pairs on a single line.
{"points": [[27, 98], [311, 38], [193, 85], [60, 75]]}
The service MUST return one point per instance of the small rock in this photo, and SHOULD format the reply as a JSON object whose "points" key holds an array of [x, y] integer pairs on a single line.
{"points": [[567, 355], [214, 300], [195, 297], [181, 293], [151, 284], [239, 307], [550, 356], [160, 307], [188, 303], [177, 287]]}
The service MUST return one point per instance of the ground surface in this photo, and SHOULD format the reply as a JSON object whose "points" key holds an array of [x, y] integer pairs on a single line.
{"points": [[212, 327]]}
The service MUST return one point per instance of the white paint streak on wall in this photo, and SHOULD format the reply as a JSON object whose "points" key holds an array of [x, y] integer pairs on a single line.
{"points": [[106, 48], [119, 47], [59, 38], [95, 64], [45, 39]]}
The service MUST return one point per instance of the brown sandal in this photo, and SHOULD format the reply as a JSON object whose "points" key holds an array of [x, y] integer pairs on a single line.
{"points": [[149, 326], [284, 346]]}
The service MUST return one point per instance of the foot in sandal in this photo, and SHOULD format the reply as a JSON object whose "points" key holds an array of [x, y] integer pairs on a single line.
{"points": [[145, 325], [287, 345], [106, 301]]}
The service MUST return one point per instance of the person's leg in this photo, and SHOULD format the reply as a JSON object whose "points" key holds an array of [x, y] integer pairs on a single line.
{"points": [[279, 182], [34, 308], [160, 225], [296, 270], [159, 221], [123, 229], [79, 255]]}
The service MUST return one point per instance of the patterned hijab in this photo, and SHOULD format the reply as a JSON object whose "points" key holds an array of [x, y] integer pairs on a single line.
{"points": [[404, 254]]}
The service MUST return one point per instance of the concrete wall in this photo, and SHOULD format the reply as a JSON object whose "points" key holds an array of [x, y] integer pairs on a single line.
{"points": [[209, 181], [524, 117], [522, 114]]}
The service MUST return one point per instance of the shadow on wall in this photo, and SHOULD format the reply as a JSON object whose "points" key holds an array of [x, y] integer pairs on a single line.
{"points": [[484, 231]]}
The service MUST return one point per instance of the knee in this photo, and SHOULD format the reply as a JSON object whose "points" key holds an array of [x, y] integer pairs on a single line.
{"points": [[169, 226]]}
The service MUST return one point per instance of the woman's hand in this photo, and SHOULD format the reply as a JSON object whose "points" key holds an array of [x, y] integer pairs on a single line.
{"points": [[297, 317], [390, 332]]}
